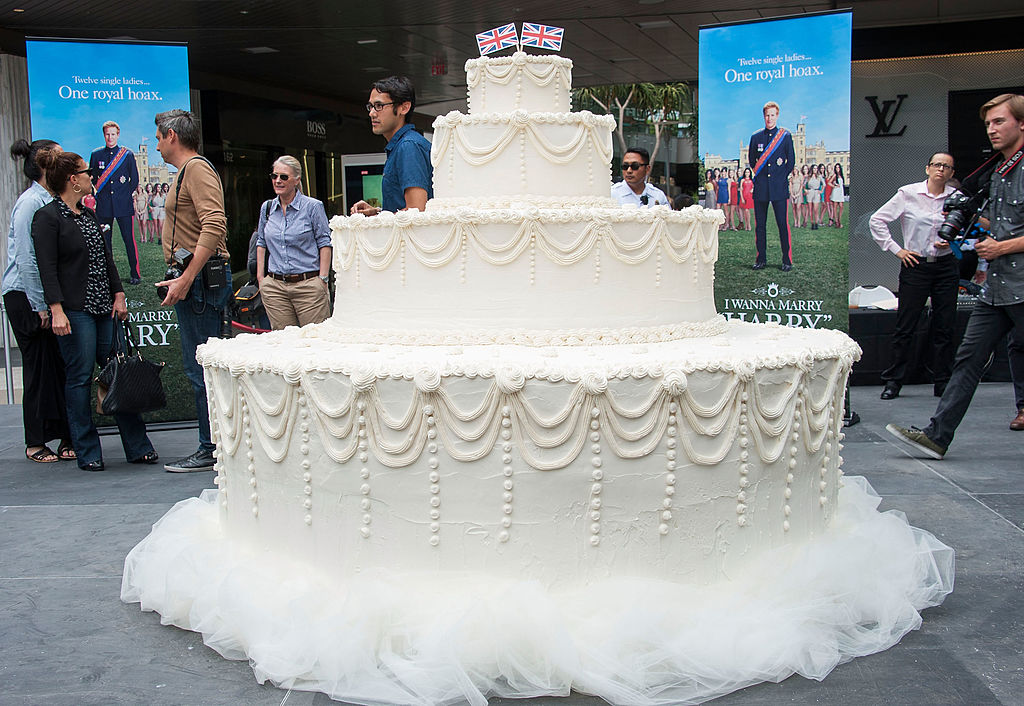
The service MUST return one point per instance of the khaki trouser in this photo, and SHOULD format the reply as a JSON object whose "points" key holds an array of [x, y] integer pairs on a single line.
{"points": [[295, 303]]}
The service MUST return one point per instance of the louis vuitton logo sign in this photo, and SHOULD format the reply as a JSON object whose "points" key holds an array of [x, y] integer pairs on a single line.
{"points": [[885, 116]]}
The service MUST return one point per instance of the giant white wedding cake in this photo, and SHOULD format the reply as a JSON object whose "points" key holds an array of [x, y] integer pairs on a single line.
{"points": [[526, 455]]}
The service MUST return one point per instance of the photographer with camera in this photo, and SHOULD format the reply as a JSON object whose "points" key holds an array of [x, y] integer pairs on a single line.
{"points": [[1000, 307], [197, 281], [927, 270]]}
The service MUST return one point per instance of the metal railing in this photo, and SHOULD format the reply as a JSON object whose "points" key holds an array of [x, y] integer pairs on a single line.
{"points": [[7, 337]]}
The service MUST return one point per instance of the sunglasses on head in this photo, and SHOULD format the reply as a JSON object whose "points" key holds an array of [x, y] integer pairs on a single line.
{"points": [[635, 166]]}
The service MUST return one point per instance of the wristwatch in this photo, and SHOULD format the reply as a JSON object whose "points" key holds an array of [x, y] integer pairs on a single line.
{"points": [[326, 279]]}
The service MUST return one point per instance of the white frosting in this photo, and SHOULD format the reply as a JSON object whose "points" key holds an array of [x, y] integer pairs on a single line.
{"points": [[522, 201], [492, 154], [526, 269], [549, 463], [519, 82], [453, 461], [520, 337], [537, 392]]}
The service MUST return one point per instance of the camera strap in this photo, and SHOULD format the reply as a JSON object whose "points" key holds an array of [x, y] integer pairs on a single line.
{"points": [[1008, 166]]}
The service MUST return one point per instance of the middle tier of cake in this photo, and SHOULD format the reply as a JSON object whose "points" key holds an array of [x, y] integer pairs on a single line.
{"points": [[527, 275]]}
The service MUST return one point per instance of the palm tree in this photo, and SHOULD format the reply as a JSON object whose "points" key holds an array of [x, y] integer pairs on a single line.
{"points": [[656, 104], [667, 104], [615, 95]]}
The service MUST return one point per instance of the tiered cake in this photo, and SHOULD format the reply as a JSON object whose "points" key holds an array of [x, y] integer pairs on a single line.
{"points": [[524, 390]]}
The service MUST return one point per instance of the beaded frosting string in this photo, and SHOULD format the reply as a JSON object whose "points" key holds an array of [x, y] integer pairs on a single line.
{"points": [[656, 239], [267, 414]]}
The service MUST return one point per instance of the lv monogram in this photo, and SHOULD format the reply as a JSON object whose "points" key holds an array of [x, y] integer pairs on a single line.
{"points": [[885, 115]]}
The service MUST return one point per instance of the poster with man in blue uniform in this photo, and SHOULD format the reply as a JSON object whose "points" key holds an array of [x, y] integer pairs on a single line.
{"points": [[774, 138], [116, 176], [772, 158], [80, 90]]}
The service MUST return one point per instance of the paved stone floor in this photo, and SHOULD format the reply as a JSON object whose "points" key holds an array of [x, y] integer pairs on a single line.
{"points": [[65, 637]]}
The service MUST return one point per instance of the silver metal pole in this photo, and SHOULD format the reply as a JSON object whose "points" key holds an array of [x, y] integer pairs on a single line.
{"points": [[668, 162], [8, 372]]}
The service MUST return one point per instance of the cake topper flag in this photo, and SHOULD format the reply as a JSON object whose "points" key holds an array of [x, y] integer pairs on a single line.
{"points": [[498, 38], [543, 36]]}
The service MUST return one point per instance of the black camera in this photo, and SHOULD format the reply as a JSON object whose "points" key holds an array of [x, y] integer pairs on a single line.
{"points": [[179, 262], [962, 213]]}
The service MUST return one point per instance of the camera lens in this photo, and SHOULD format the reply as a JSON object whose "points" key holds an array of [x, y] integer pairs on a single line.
{"points": [[961, 211]]}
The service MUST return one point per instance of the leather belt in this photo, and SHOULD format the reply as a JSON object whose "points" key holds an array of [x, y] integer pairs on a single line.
{"points": [[938, 258], [301, 277]]}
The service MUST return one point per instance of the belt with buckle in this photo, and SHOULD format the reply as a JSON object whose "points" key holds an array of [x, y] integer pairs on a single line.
{"points": [[301, 277], [938, 258]]}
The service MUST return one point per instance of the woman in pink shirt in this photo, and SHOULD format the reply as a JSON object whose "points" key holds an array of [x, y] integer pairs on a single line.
{"points": [[927, 269]]}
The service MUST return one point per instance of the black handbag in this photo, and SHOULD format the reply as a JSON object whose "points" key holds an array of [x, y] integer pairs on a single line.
{"points": [[128, 383]]}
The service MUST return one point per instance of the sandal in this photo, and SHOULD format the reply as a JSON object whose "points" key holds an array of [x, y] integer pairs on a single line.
{"points": [[66, 452], [43, 455]]}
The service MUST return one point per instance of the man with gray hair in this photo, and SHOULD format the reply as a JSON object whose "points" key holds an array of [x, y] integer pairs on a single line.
{"points": [[195, 222]]}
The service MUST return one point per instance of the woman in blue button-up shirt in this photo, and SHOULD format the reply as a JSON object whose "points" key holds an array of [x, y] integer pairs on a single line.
{"points": [[293, 251], [42, 372]]}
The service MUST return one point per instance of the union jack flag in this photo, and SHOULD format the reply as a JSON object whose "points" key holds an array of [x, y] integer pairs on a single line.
{"points": [[543, 36], [497, 39]]}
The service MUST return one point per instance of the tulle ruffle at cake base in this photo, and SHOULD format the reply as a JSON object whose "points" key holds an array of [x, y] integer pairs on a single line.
{"points": [[384, 638]]}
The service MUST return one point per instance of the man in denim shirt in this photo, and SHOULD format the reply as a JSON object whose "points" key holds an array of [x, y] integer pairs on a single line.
{"points": [[1000, 308], [408, 175]]}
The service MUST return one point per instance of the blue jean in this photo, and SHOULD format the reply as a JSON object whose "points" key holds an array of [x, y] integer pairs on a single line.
{"points": [[200, 317], [986, 327], [88, 345]]}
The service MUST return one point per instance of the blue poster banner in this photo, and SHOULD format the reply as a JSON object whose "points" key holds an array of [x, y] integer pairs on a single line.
{"points": [[774, 137], [99, 99]]}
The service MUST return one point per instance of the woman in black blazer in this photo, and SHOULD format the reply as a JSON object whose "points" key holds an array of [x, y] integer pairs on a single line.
{"points": [[84, 293]]}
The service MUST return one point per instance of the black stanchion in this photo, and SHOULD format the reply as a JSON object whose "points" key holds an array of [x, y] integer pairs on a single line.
{"points": [[849, 416]]}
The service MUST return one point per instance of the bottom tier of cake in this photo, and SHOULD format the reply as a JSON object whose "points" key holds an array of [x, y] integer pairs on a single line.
{"points": [[653, 524], [678, 461]]}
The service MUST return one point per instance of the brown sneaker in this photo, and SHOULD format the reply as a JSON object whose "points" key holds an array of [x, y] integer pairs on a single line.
{"points": [[1018, 422], [917, 439]]}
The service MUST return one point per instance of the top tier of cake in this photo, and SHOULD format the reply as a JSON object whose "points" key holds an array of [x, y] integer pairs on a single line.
{"points": [[519, 82], [520, 144]]}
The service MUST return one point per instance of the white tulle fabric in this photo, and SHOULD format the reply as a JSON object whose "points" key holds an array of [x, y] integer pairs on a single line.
{"points": [[384, 638]]}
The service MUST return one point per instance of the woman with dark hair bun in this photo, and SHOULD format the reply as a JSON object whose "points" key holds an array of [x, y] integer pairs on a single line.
{"points": [[83, 289], [43, 412]]}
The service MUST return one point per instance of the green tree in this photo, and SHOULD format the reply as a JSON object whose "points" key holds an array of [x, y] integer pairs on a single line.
{"points": [[656, 106], [668, 105]]}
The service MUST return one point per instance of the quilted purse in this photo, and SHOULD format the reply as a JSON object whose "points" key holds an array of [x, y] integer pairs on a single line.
{"points": [[128, 382]]}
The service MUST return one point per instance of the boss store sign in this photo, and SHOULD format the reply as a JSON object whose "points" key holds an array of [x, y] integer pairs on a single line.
{"points": [[246, 121]]}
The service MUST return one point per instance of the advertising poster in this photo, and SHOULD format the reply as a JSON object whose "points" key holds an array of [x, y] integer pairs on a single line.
{"points": [[774, 138], [75, 87]]}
